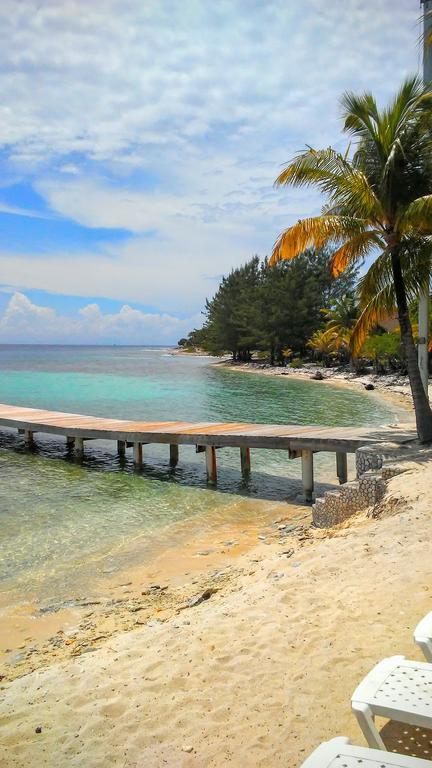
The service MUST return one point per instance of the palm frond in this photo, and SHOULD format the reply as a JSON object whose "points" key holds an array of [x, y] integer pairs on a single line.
{"points": [[314, 232], [378, 276], [360, 115], [408, 98], [311, 166], [380, 305], [345, 186], [353, 250], [376, 289], [417, 215]]}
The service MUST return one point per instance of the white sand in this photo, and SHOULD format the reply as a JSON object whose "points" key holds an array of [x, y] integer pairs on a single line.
{"points": [[257, 677]]}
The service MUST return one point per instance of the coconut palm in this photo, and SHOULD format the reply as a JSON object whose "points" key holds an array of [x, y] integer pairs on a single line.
{"points": [[341, 319], [342, 316], [379, 204], [325, 344]]}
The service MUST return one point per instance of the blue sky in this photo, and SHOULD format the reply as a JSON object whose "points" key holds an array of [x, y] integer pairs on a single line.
{"points": [[140, 141]]}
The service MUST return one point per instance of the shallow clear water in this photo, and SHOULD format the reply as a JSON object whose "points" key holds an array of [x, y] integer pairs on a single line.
{"points": [[62, 523]]}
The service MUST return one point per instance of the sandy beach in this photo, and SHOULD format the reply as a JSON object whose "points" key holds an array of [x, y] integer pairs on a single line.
{"points": [[258, 673]]}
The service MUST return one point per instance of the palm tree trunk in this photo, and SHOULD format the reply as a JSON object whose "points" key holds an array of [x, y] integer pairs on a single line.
{"points": [[423, 412]]}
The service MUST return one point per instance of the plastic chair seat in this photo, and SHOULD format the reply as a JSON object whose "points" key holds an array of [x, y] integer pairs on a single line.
{"points": [[423, 636], [395, 688], [339, 753]]}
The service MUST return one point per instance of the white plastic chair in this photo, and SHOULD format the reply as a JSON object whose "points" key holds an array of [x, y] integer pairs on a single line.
{"points": [[398, 689], [339, 753], [423, 636]]}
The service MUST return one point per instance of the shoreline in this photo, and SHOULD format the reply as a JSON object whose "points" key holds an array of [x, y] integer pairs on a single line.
{"points": [[391, 387], [37, 634], [223, 681]]}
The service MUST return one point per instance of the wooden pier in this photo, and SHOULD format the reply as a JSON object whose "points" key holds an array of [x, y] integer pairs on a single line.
{"points": [[296, 440]]}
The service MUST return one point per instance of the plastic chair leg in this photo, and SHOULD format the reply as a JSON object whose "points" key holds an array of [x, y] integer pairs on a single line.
{"points": [[366, 722]]}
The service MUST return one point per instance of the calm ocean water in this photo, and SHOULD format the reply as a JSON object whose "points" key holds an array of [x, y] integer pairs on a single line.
{"points": [[63, 523]]}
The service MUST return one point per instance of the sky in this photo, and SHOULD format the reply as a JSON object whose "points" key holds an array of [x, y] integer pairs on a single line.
{"points": [[140, 139]]}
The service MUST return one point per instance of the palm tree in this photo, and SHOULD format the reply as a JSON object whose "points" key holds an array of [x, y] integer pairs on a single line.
{"points": [[341, 319], [379, 203], [325, 344], [343, 315]]}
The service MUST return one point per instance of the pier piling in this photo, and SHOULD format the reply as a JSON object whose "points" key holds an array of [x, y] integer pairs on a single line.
{"points": [[137, 454], [28, 438], [307, 474], [342, 467], [174, 455], [245, 461], [79, 447], [211, 466]]}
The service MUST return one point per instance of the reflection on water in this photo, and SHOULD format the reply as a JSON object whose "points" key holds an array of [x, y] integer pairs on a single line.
{"points": [[63, 523]]}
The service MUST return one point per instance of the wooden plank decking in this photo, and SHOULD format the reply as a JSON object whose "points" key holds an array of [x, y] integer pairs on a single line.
{"points": [[299, 441]]}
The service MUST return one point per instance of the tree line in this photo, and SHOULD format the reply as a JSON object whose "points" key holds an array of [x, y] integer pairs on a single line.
{"points": [[271, 309]]}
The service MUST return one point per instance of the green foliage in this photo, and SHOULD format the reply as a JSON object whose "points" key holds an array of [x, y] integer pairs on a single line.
{"points": [[276, 308], [385, 350], [296, 363]]}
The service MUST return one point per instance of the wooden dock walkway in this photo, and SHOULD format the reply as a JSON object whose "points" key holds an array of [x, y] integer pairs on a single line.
{"points": [[297, 440]]}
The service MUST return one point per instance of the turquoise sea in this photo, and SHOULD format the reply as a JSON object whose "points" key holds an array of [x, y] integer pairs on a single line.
{"points": [[63, 524]]}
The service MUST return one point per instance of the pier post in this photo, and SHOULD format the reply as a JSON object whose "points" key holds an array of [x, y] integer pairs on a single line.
{"points": [[174, 455], [28, 438], [342, 467], [137, 454], [245, 461], [307, 474], [210, 453], [121, 447], [79, 447], [70, 441]]}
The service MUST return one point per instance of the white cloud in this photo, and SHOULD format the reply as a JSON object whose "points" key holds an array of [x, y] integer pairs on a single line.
{"points": [[17, 211], [175, 117], [95, 204], [195, 240], [26, 322], [117, 79]]}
